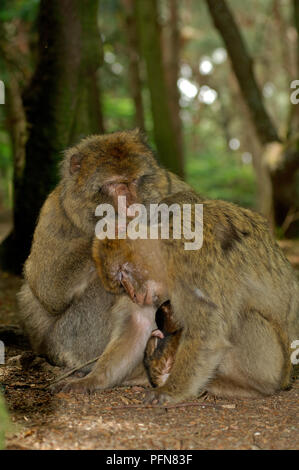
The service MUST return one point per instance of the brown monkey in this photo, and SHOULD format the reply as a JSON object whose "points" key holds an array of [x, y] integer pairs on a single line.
{"points": [[236, 301], [66, 312], [162, 346]]}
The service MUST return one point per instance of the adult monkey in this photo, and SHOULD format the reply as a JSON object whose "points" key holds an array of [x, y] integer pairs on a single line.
{"points": [[64, 309], [233, 307]]}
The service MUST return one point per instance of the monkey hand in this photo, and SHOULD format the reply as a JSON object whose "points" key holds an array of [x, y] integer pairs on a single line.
{"points": [[158, 397], [153, 342], [157, 333]]}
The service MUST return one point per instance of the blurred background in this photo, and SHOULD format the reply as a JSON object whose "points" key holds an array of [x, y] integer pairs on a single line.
{"points": [[209, 81]]}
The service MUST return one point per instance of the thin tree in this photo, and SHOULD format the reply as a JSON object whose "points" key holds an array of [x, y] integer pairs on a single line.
{"points": [[164, 130], [172, 44], [61, 106], [283, 174], [134, 61]]}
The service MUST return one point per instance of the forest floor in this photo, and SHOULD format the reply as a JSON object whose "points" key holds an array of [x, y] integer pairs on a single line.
{"points": [[116, 419]]}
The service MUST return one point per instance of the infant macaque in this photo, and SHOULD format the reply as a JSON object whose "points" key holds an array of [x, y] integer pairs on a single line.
{"points": [[162, 346], [131, 265]]}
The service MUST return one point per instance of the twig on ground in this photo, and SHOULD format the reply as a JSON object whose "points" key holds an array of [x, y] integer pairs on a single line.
{"points": [[176, 405], [72, 371]]}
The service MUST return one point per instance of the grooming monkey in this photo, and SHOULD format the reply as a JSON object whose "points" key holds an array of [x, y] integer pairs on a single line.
{"points": [[65, 310], [235, 301]]}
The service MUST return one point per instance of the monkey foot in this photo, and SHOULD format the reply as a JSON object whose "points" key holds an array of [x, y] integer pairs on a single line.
{"points": [[84, 385], [154, 397]]}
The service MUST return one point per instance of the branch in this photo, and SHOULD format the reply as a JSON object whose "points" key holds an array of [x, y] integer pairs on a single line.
{"points": [[243, 69]]}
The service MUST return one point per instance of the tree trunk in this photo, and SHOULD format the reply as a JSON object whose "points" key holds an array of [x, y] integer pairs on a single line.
{"points": [[242, 66], [164, 131], [282, 169], [16, 122], [56, 113], [253, 144], [172, 61], [134, 57]]}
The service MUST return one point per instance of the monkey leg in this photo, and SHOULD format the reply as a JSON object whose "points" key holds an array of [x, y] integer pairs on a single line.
{"points": [[137, 377], [257, 365], [34, 319], [132, 328], [77, 335]]}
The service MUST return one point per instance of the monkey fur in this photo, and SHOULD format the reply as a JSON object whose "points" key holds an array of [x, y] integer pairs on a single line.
{"points": [[162, 346], [235, 301], [63, 306]]}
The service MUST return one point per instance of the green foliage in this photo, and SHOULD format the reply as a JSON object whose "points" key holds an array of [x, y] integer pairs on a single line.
{"points": [[24, 9], [118, 112], [5, 170], [4, 422], [211, 167], [216, 174]]}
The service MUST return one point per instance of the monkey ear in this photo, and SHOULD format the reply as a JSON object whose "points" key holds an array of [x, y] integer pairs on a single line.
{"points": [[75, 163], [140, 134]]}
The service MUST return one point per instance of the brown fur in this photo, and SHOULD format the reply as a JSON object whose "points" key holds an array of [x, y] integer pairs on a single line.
{"points": [[66, 312], [160, 352], [236, 300]]}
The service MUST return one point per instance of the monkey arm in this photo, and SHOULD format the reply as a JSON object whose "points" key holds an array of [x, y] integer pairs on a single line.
{"points": [[60, 282], [59, 267]]}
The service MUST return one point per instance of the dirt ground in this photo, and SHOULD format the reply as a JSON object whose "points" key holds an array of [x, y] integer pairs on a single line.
{"points": [[116, 419]]}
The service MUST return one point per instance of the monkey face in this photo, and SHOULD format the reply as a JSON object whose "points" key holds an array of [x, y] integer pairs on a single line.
{"points": [[101, 168], [141, 291], [133, 266]]}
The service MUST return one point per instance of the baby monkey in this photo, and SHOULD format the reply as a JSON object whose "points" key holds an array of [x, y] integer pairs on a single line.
{"points": [[162, 346], [121, 265]]}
